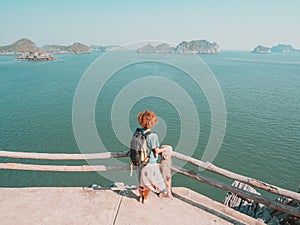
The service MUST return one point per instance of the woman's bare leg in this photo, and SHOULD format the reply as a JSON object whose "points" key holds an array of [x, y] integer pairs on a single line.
{"points": [[146, 194]]}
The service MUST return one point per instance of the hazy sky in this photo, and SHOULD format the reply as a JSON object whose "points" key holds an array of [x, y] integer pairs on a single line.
{"points": [[233, 24]]}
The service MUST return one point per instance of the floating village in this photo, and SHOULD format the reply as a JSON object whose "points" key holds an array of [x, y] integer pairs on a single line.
{"points": [[37, 55]]}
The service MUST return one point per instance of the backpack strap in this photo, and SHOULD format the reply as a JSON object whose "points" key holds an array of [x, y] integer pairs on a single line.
{"points": [[147, 133]]}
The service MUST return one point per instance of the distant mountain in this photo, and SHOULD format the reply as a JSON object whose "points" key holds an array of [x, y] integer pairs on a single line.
{"points": [[164, 48], [192, 47], [19, 47], [76, 48], [161, 48], [56, 49], [262, 50], [105, 48], [25, 45], [146, 49], [280, 48], [198, 47]]}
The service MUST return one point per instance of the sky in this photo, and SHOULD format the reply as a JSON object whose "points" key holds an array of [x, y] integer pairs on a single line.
{"points": [[233, 24]]}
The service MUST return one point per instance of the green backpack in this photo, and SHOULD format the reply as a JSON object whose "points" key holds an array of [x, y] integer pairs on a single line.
{"points": [[139, 154]]}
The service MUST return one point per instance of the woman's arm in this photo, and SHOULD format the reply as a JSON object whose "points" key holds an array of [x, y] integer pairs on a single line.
{"points": [[161, 149]]}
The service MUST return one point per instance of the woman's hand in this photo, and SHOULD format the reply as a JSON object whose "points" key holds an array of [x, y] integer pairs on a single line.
{"points": [[165, 147]]}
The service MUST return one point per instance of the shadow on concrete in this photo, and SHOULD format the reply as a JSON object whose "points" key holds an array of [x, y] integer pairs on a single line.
{"points": [[207, 209], [127, 193]]}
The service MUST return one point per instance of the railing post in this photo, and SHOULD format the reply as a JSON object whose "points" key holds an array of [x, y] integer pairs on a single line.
{"points": [[166, 168]]}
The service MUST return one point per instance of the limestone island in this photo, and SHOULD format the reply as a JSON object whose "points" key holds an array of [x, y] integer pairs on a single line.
{"points": [[192, 47], [280, 48], [261, 50]]}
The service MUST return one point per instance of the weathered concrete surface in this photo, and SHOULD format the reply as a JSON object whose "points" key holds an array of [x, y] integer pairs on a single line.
{"points": [[86, 206]]}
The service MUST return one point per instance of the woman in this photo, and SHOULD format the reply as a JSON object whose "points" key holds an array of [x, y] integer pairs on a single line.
{"points": [[150, 178]]}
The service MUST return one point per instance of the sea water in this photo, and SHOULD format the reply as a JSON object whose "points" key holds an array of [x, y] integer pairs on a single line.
{"points": [[261, 94]]}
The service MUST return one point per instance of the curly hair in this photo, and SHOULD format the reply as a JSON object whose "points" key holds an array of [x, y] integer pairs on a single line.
{"points": [[147, 119]]}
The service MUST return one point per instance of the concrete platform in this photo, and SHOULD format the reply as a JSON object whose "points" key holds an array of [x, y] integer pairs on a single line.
{"points": [[87, 206]]}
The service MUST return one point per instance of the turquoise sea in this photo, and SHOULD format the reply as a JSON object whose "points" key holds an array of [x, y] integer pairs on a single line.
{"points": [[261, 93]]}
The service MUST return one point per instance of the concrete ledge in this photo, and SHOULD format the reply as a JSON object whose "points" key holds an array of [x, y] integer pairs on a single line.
{"points": [[88, 206]]}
